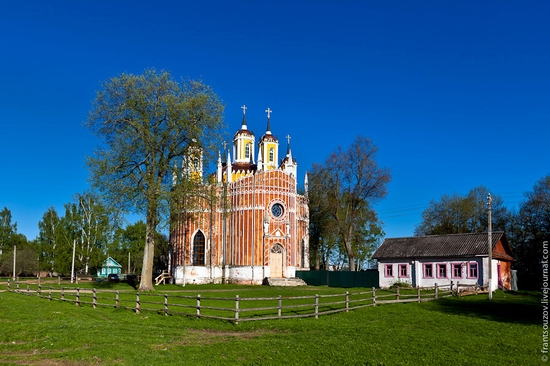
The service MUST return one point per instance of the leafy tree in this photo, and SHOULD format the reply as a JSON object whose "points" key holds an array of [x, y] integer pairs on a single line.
{"points": [[344, 189], [26, 253], [147, 123], [322, 240], [131, 240], [529, 230], [48, 231], [87, 226], [95, 229], [26, 257], [454, 214], [7, 230]]}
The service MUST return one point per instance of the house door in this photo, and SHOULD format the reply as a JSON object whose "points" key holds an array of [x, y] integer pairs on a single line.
{"points": [[276, 261], [499, 271]]}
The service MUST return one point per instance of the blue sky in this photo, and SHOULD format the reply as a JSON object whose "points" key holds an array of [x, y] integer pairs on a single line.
{"points": [[455, 94]]}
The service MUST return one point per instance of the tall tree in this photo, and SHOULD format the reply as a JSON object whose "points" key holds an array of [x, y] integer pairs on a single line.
{"points": [[346, 186], [529, 230], [7, 230], [454, 214], [47, 240], [95, 226], [146, 123]]}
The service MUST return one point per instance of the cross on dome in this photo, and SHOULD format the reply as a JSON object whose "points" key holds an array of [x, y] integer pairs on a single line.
{"points": [[288, 139], [244, 109], [268, 112]]}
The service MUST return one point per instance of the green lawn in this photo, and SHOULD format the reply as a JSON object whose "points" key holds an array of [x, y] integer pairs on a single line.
{"points": [[453, 331]]}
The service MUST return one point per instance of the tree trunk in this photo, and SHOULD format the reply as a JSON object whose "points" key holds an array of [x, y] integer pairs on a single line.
{"points": [[146, 283], [349, 250]]}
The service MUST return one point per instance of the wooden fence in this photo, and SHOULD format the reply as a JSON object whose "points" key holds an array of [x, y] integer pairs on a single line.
{"points": [[234, 309]]}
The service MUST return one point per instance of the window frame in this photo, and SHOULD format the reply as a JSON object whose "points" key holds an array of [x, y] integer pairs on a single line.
{"points": [[390, 268], [402, 266], [472, 265], [441, 266], [199, 249], [425, 266], [459, 266]]}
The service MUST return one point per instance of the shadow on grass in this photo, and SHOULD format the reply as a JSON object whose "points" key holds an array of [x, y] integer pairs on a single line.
{"points": [[512, 307]]}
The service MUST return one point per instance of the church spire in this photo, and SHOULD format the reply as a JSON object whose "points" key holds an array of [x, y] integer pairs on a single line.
{"points": [[243, 125], [268, 130]]}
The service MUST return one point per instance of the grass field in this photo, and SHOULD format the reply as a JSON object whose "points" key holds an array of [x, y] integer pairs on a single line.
{"points": [[453, 331]]}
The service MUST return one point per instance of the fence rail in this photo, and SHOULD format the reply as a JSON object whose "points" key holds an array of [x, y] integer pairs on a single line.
{"points": [[234, 309]]}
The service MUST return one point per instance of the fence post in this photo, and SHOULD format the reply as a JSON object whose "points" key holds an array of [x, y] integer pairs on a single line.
{"points": [[17, 283], [77, 296], [373, 296], [59, 280], [236, 309], [117, 299], [397, 293], [457, 288], [418, 291], [138, 305], [8, 284], [63, 293], [279, 305], [316, 306], [165, 304], [94, 301], [50, 294], [39, 290], [436, 291], [347, 301], [451, 287], [199, 305]]}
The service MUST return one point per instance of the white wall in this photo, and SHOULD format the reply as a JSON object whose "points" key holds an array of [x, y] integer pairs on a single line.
{"points": [[201, 275], [417, 277]]}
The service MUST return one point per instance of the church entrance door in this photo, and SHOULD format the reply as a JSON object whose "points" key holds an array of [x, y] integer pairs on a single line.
{"points": [[276, 261]]}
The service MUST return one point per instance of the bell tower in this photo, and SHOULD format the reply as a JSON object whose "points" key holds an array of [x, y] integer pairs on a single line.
{"points": [[288, 164], [268, 147], [243, 143]]}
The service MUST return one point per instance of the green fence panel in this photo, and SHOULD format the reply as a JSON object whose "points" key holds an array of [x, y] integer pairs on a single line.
{"points": [[313, 278], [344, 279]]}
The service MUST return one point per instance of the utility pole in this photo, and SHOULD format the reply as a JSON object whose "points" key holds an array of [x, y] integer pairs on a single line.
{"points": [[72, 265], [14, 257], [490, 239]]}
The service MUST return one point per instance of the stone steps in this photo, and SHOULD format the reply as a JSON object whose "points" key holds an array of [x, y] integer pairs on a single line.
{"points": [[284, 282]]}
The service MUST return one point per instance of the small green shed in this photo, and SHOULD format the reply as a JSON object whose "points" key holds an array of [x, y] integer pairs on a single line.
{"points": [[108, 267]]}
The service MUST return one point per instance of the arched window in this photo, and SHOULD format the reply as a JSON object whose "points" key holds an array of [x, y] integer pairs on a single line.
{"points": [[271, 155], [247, 151], [198, 249]]}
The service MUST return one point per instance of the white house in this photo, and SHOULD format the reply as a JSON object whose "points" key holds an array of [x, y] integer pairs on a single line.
{"points": [[423, 261]]}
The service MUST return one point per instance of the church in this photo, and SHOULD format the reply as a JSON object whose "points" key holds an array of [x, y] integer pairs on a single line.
{"points": [[254, 224]]}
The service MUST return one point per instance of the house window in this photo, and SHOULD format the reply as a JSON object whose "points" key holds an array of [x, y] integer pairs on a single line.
{"points": [[428, 270], [442, 270], [403, 270], [472, 270], [388, 270], [198, 249], [457, 270]]}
